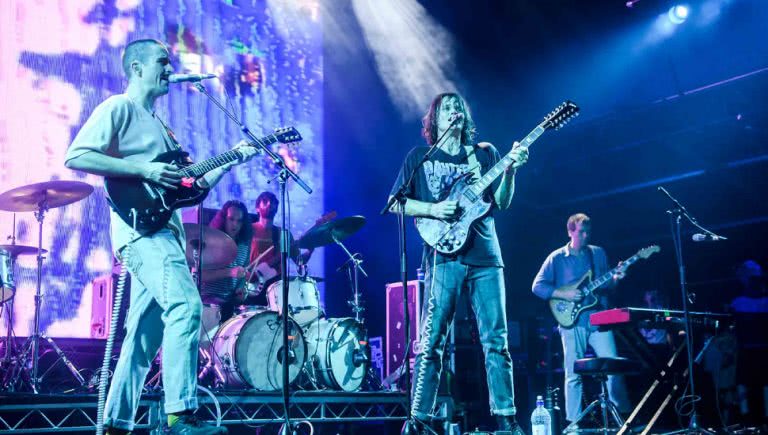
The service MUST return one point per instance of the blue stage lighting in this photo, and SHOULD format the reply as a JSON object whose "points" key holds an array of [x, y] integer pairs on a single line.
{"points": [[678, 13]]}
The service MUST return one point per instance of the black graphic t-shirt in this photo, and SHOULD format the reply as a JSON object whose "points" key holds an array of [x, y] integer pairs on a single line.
{"points": [[432, 183]]}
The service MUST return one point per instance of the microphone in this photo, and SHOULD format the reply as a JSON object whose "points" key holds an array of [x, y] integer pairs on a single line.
{"points": [[698, 237], [179, 78], [455, 117]]}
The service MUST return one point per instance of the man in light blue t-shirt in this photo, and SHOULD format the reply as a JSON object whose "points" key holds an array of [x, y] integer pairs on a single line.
{"points": [[121, 138]]}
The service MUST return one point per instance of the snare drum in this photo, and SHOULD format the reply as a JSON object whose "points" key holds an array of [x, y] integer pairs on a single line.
{"points": [[303, 299], [249, 351], [336, 351], [7, 286]]}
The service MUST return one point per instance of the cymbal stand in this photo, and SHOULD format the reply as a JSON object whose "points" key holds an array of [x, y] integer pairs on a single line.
{"points": [[32, 345], [356, 261], [8, 306]]}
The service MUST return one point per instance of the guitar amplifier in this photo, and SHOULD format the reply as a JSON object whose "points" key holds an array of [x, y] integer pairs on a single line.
{"points": [[396, 329]]}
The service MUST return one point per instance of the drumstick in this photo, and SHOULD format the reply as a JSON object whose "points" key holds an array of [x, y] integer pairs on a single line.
{"points": [[250, 269]]}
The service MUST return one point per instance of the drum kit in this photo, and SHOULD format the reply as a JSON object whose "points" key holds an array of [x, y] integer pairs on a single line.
{"points": [[38, 198], [245, 351]]}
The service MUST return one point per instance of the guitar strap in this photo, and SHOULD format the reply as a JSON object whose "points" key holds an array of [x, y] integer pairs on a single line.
{"points": [[474, 165], [171, 136], [591, 261]]}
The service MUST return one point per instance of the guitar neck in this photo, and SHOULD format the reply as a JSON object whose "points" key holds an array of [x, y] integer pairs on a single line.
{"points": [[604, 278], [479, 187], [199, 169]]}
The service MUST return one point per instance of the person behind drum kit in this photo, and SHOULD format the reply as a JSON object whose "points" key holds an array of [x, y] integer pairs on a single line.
{"points": [[224, 288], [265, 250], [121, 138]]}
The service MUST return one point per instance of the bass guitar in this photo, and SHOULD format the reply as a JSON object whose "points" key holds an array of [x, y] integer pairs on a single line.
{"points": [[567, 312], [151, 205], [449, 236]]}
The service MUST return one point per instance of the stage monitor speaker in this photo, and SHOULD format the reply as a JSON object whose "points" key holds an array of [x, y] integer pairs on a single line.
{"points": [[395, 327], [101, 305]]}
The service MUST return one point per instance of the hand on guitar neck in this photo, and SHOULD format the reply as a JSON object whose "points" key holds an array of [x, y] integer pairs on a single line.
{"points": [[576, 294]]}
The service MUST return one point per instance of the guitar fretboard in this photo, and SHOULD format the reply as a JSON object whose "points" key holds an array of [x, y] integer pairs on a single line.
{"points": [[199, 169], [597, 283], [479, 187]]}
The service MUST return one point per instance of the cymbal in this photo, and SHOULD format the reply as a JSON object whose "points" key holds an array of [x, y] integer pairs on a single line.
{"points": [[51, 194], [218, 249], [16, 250], [331, 231]]}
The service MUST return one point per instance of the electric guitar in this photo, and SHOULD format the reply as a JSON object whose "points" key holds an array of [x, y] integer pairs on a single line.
{"points": [[449, 236], [567, 312], [152, 205], [260, 273]]}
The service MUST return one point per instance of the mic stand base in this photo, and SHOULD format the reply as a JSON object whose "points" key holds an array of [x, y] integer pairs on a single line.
{"points": [[411, 427], [291, 431], [692, 429]]}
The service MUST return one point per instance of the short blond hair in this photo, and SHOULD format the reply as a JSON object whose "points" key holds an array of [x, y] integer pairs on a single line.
{"points": [[577, 219]]}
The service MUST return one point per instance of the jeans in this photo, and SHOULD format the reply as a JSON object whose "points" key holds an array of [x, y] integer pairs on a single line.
{"points": [[165, 310], [444, 282], [575, 342]]}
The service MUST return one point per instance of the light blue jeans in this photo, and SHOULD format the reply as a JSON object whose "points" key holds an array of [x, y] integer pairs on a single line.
{"points": [[575, 342], [485, 285], [165, 310]]}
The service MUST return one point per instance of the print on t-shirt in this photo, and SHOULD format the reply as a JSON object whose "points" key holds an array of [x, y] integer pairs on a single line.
{"points": [[441, 175]]}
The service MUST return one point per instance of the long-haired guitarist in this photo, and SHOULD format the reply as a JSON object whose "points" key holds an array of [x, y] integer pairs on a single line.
{"points": [[565, 266], [478, 266], [122, 138]]}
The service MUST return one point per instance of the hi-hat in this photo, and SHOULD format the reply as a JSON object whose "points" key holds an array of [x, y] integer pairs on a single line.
{"points": [[49, 194], [16, 250], [218, 249], [331, 232]]}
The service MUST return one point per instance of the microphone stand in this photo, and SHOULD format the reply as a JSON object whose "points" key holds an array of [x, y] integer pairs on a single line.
{"points": [[284, 174], [676, 214], [409, 428]]}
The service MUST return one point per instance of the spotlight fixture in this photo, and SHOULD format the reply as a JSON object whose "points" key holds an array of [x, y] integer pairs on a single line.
{"points": [[678, 13]]}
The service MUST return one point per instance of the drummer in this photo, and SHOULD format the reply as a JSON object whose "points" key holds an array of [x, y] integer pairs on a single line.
{"points": [[223, 288], [265, 248]]}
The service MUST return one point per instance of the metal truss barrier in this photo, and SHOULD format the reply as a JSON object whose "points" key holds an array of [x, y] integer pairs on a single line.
{"points": [[48, 413], [75, 413]]}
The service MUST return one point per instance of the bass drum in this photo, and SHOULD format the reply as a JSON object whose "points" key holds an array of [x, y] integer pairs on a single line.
{"points": [[248, 351], [337, 353]]}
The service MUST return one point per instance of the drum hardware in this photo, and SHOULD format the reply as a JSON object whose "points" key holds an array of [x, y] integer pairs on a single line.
{"points": [[39, 198]]}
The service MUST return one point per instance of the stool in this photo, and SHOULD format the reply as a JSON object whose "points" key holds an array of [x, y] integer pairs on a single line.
{"points": [[600, 368]]}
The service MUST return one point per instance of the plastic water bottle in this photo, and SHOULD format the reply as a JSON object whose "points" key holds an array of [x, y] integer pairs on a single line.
{"points": [[540, 419]]}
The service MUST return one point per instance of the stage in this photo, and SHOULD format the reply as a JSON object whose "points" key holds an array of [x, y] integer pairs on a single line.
{"points": [[76, 413]]}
